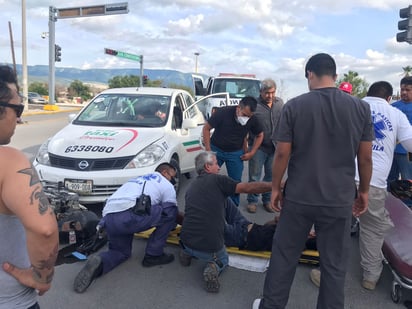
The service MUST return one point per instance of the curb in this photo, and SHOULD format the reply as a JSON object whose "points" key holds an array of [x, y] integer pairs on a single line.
{"points": [[44, 112]]}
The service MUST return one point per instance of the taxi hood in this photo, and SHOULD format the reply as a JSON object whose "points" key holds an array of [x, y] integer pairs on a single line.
{"points": [[100, 142]]}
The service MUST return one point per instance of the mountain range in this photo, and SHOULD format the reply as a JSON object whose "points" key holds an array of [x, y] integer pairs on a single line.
{"points": [[67, 75]]}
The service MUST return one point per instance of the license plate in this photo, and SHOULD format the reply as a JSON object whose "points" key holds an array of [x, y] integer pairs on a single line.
{"points": [[80, 186]]}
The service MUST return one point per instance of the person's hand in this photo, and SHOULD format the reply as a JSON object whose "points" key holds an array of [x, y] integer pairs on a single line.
{"points": [[360, 205], [276, 200], [25, 277], [246, 156]]}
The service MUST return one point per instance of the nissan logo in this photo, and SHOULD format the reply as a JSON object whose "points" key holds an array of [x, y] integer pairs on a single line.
{"points": [[83, 164]]}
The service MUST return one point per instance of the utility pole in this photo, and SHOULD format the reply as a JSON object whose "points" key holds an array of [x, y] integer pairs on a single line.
{"points": [[24, 55], [12, 49], [196, 55]]}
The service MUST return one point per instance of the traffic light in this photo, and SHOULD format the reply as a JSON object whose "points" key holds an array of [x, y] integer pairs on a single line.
{"points": [[145, 79], [109, 51], [406, 25], [57, 53]]}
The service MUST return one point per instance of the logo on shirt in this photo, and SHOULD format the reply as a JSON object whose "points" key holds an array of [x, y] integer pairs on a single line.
{"points": [[380, 124]]}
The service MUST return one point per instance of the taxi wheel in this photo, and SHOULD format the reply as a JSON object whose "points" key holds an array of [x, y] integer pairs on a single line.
{"points": [[178, 177]]}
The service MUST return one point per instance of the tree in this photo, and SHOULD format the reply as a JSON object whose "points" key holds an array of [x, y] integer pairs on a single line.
{"points": [[359, 84], [131, 81], [40, 88], [407, 71], [78, 89], [124, 81]]}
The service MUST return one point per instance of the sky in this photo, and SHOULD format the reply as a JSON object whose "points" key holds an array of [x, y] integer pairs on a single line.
{"points": [[269, 38]]}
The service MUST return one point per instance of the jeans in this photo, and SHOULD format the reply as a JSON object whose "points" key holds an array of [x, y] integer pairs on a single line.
{"points": [[121, 226], [236, 226], [259, 160], [219, 258], [400, 165], [234, 166]]}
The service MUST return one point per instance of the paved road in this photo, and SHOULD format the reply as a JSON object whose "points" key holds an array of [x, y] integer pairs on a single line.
{"points": [[173, 286]]}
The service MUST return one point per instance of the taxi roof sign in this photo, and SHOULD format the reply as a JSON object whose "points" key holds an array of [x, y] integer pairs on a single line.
{"points": [[93, 10]]}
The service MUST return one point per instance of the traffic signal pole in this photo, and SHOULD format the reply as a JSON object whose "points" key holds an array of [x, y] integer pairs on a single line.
{"points": [[73, 12], [52, 19]]}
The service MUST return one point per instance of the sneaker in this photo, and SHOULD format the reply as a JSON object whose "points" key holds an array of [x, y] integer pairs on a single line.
{"points": [[315, 276], [256, 303], [150, 260], [369, 285], [251, 208], [90, 271], [210, 276], [184, 258], [267, 207]]}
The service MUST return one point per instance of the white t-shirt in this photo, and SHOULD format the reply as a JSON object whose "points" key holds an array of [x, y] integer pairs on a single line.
{"points": [[158, 187], [391, 127]]}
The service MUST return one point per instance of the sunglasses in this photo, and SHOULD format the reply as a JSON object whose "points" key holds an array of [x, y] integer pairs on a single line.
{"points": [[18, 108]]}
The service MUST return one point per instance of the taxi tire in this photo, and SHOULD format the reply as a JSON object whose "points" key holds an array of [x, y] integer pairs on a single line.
{"points": [[175, 163]]}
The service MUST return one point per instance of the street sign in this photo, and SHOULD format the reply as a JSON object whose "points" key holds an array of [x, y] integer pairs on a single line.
{"points": [[121, 54], [93, 10]]}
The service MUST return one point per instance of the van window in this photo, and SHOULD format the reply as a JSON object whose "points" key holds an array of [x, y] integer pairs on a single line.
{"points": [[237, 88]]}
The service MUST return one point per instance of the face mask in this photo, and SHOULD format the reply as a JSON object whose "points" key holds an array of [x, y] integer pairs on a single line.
{"points": [[242, 120], [173, 180]]}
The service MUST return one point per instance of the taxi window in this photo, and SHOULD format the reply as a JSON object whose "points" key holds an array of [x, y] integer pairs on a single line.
{"points": [[126, 110]]}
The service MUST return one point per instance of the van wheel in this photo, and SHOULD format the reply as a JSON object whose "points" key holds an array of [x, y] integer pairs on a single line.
{"points": [[178, 177]]}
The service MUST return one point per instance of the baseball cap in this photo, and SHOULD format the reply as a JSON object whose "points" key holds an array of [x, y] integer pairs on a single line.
{"points": [[345, 86]]}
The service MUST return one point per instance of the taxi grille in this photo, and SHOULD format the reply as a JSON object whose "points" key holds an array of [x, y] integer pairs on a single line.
{"points": [[79, 164]]}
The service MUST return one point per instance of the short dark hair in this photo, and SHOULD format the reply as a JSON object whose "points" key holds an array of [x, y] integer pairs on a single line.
{"points": [[7, 76], [164, 166], [321, 64], [407, 80], [381, 89], [249, 101]]}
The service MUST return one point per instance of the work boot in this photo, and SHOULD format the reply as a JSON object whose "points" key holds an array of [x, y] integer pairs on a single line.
{"points": [[184, 258], [210, 276], [150, 260], [369, 285], [315, 276], [251, 208], [89, 272], [267, 207]]}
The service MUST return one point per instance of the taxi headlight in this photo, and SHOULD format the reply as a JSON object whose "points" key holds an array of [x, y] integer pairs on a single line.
{"points": [[43, 155], [147, 157]]}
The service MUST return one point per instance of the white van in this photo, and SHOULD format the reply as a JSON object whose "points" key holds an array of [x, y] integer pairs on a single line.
{"points": [[237, 86]]}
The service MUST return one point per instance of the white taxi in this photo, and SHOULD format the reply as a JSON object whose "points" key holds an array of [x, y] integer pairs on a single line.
{"points": [[122, 133]]}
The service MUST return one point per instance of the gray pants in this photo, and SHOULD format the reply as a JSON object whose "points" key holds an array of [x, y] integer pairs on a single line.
{"points": [[374, 224], [332, 226]]}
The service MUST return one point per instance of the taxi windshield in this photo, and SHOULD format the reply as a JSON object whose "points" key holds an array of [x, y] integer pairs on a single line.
{"points": [[126, 110]]}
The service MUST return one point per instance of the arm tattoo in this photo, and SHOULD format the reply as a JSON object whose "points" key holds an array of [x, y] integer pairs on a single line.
{"points": [[34, 177], [37, 193], [47, 264]]}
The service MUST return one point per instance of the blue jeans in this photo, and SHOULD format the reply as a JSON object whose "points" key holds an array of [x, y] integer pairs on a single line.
{"points": [[260, 160], [235, 227], [400, 165], [234, 166], [219, 258], [121, 226]]}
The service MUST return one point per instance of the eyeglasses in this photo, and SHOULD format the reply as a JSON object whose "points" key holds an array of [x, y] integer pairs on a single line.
{"points": [[18, 108]]}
